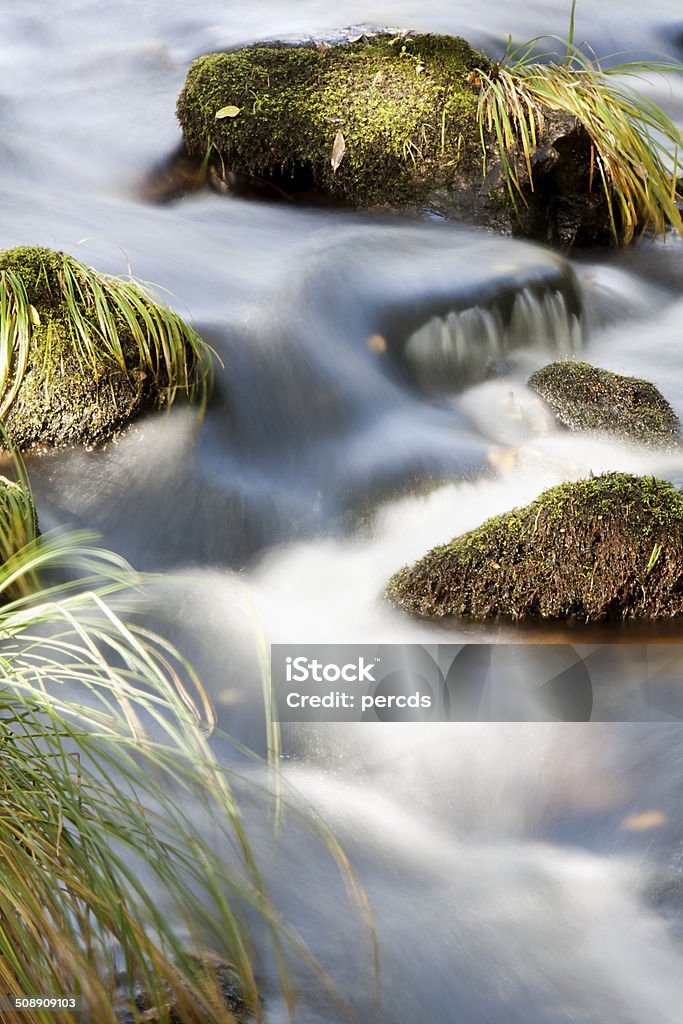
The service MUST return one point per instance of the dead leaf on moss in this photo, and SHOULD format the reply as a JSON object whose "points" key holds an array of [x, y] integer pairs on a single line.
{"points": [[338, 150]]}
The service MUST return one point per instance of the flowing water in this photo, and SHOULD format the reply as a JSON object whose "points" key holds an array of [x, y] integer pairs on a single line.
{"points": [[371, 404]]}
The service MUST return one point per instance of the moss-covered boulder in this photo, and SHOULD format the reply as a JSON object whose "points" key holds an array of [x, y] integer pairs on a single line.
{"points": [[584, 397], [82, 353], [383, 121], [607, 548]]}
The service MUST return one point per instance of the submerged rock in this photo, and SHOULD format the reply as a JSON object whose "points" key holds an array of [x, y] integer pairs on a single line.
{"points": [[607, 548], [83, 353], [217, 979], [584, 397], [388, 121]]}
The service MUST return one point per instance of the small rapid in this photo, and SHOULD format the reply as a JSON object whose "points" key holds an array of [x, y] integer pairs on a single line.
{"points": [[463, 347]]}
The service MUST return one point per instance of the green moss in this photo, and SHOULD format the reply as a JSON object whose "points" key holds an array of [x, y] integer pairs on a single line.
{"points": [[608, 548], [584, 397], [404, 106], [82, 354]]}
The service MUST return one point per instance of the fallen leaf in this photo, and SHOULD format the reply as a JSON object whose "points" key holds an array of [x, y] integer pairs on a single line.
{"points": [[228, 112], [644, 821], [504, 459], [338, 150], [379, 78]]}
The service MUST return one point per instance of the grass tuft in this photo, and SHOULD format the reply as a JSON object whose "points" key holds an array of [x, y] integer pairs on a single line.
{"points": [[18, 530], [109, 888], [634, 144]]}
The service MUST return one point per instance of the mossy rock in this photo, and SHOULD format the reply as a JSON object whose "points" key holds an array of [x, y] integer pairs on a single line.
{"points": [[607, 548], [584, 397], [405, 107], [84, 353], [386, 100]]}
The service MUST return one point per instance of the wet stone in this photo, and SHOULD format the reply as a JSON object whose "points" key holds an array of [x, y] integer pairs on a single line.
{"points": [[587, 398], [609, 548]]}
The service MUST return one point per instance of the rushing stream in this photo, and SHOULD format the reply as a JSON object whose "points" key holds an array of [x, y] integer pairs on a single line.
{"points": [[372, 403]]}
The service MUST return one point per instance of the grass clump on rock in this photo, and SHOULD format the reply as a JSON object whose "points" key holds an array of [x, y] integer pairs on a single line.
{"points": [[607, 548], [82, 353], [632, 143], [585, 397]]}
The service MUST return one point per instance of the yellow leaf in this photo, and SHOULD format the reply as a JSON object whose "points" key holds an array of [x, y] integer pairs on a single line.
{"points": [[228, 112], [504, 459], [644, 821], [35, 316], [338, 150], [377, 343]]}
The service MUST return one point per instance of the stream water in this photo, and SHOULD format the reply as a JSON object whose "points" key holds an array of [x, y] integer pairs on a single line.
{"points": [[519, 874]]}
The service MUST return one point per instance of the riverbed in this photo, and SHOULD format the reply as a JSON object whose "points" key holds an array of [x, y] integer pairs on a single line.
{"points": [[513, 874]]}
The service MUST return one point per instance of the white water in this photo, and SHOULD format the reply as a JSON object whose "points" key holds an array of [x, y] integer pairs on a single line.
{"points": [[507, 883]]}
